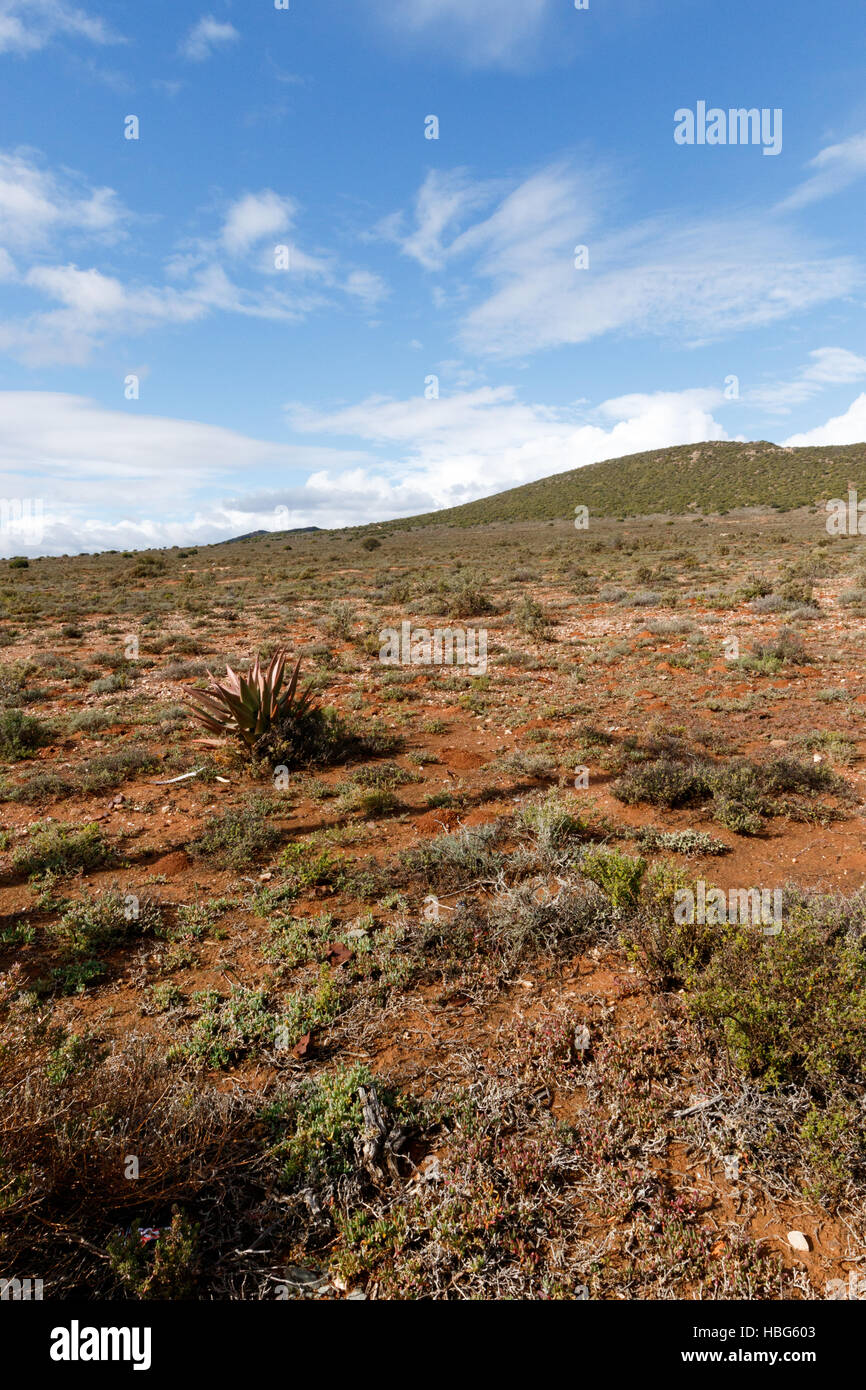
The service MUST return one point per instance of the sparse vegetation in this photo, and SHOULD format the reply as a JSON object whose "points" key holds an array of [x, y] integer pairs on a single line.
{"points": [[392, 972]]}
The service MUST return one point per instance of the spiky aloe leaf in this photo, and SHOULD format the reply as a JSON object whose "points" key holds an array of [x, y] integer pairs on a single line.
{"points": [[248, 704]]}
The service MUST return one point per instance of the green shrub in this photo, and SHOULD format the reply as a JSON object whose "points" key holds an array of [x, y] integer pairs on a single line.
{"points": [[228, 1027], [21, 735], [791, 1007], [767, 658], [465, 595], [834, 1148], [617, 875], [239, 836], [662, 782], [324, 1122], [306, 869], [165, 1270], [528, 616], [105, 920], [665, 950], [61, 849]]}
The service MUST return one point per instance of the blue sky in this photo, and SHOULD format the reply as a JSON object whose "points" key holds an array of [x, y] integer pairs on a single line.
{"points": [[269, 396]]}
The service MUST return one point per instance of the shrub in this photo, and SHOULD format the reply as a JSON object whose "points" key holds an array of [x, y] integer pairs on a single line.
{"points": [[680, 841], [737, 816], [168, 1271], [228, 1027], [767, 658], [791, 1008], [324, 1121], [238, 837], [319, 735], [451, 860], [105, 920], [662, 782], [340, 620], [306, 869], [110, 769], [833, 1145], [667, 951], [754, 587], [466, 596], [617, 875], [528, 616], [552, 825], [61, 849], [21, 735]]}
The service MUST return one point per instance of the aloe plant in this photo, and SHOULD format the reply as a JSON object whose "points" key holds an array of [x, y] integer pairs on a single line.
{"points": [[251, 704]]}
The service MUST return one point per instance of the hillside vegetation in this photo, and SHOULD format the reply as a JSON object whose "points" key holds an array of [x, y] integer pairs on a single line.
{"points": [[710, 478]]}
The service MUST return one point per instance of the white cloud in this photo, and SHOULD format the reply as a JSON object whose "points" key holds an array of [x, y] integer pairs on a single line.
{"points": [[849, 428], [479, 442], [29, 25], [828, 366], [694, 280], [254, 217], [444, 198], [36, 204], [836, 167], [481, 33], [118, 478], [92, 306], [92, 294], [39, 210], [206, 37], [367, 287]]}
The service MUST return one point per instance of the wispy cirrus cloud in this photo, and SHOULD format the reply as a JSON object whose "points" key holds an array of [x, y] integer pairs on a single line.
{"points": [[478, 33], [836, 167], [207, 37], [828, 366], [696, 279], [443, 203], [232, 271], [26, 26]]}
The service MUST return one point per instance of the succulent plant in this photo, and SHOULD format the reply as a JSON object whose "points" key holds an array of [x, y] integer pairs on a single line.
{"points": [[251, 704]]}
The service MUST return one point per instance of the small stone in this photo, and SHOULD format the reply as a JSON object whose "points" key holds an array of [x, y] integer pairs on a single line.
{"points": [[798, 1241]]}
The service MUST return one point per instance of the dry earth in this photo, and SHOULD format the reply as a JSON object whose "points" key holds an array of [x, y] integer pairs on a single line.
{"points": [[204, 982]]}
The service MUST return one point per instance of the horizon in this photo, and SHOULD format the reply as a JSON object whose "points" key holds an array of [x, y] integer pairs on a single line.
{"points": [[282, 268]]}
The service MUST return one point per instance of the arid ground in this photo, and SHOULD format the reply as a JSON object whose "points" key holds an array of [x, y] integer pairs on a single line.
{"points": [[411, 1014]]}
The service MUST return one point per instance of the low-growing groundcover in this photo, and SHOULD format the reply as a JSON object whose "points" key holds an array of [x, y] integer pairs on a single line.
{"points": [[396, 1001], [743, 795], [469, 1190]]}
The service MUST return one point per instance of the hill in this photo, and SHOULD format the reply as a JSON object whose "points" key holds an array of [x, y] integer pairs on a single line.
{"points": [[710, 477]]}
